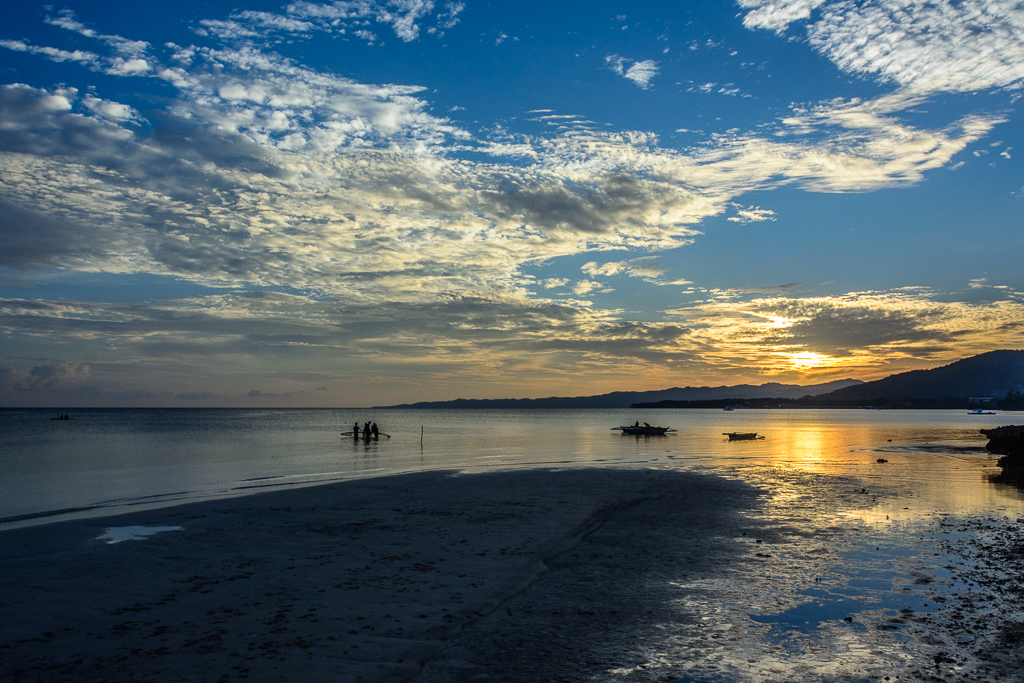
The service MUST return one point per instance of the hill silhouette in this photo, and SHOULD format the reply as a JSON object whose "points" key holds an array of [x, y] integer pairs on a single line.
{"points": [[990, 375], [624, 399]]}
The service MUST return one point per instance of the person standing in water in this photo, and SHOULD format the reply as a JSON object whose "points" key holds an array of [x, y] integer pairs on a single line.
{"points": [[355, 430]]}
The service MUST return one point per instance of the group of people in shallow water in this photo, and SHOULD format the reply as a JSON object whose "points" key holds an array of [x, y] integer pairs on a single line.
{"points": [[368, 432]]}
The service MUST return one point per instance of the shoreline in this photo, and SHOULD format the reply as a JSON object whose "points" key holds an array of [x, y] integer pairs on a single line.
{"points": [[361, 580], [570, 574]]}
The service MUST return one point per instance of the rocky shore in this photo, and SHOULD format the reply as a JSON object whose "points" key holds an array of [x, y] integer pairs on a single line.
{"points": [[1008, 442]]}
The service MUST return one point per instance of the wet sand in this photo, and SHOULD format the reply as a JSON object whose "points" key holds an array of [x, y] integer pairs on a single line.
{"points": [[356, 581], [589, 574]]}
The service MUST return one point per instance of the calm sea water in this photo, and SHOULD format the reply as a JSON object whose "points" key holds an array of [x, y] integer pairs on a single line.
{"points": [[107, 461]]}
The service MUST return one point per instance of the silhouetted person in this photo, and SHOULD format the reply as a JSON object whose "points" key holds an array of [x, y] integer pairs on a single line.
{"points": [[355, 430], [366, 430], [375, 431]]}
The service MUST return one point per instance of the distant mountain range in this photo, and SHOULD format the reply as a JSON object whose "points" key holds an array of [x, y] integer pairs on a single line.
{"points": [[989, 375], [624, 399], [993, 379]]}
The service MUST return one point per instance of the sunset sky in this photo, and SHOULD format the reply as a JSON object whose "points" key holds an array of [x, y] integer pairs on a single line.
{"points": [[369, 202]]}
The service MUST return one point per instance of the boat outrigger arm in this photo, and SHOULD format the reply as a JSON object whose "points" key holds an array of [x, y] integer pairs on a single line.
{"points": [[645, 430]]}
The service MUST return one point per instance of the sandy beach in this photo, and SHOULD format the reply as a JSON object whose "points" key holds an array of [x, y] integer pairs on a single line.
{"points": [[573, 575], [362, 580]]}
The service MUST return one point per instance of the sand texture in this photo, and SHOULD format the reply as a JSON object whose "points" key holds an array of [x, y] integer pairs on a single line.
{"points": [[589, 574], [357, 581]]}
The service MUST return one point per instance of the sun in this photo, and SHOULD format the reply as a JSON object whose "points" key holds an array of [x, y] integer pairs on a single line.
{"points": [[809, 360]]}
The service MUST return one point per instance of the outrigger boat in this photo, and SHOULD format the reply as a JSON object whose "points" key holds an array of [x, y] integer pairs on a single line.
{"points": [[742, 436], [644, 430], [359, 435]]}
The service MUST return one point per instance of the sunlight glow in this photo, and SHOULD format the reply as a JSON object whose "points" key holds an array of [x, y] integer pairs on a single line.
{"points": [[806, 360]]}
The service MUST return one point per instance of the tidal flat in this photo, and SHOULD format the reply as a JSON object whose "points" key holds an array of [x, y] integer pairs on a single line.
{"points": [[647, 572]]}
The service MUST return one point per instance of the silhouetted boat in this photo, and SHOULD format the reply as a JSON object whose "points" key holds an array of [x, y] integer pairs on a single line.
{"points": [[980, 411], [742, 436], [361, 435], [644, 430]]}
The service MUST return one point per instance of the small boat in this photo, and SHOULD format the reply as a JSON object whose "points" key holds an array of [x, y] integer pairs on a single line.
{"points": [[980, 411], [360, 435], [742, 436], [644, 430]]}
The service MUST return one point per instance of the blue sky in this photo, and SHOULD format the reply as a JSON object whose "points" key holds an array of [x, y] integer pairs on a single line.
{"points": [[367, 202]]}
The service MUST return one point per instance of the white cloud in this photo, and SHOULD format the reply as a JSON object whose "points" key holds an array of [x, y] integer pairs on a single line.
{"points": [[128, 67], [927, 46], [251, 24], [776, 15], [969, 45], [125, 48], [640, 73], [404, 16], [114, 111], [51, 53], [751, 214], [584, 287], [264, 173], [644, 267]]}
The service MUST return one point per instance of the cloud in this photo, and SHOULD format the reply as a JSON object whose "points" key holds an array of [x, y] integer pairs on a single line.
{"points": [[347, 218], [640, 73], [644, 267], [48, 377], [584, 287], [250, 24], [728, 334], [857, 330], [51, 53], [926, 46], [405, 18], [966, 46], [124, 47], [107, 109], [751, 214], [776, 15], [362, 207]]}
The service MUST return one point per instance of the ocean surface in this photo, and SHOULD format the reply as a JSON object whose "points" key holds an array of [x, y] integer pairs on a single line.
{"points": [[105, 461], [890, 538]]}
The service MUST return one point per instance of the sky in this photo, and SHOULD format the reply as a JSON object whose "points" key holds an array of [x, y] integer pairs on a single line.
{"points": [[371, 202]]}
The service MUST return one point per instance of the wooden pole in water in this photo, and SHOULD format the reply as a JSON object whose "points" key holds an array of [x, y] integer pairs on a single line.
{"points": [[421, 436]]}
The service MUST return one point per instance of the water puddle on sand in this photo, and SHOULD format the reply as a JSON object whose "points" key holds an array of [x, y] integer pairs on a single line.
{"points": [[908, 579], [116, 534]]}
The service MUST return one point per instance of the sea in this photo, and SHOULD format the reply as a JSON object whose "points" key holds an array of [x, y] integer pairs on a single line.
{"points": [[106, 461], [893, 537]]}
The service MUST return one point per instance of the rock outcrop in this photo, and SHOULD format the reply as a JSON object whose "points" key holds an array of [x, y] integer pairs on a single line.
{"points": [[1008, 442]]}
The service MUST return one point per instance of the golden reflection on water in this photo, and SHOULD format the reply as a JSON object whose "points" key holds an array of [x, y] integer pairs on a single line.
{"points": [[935, 461]]}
